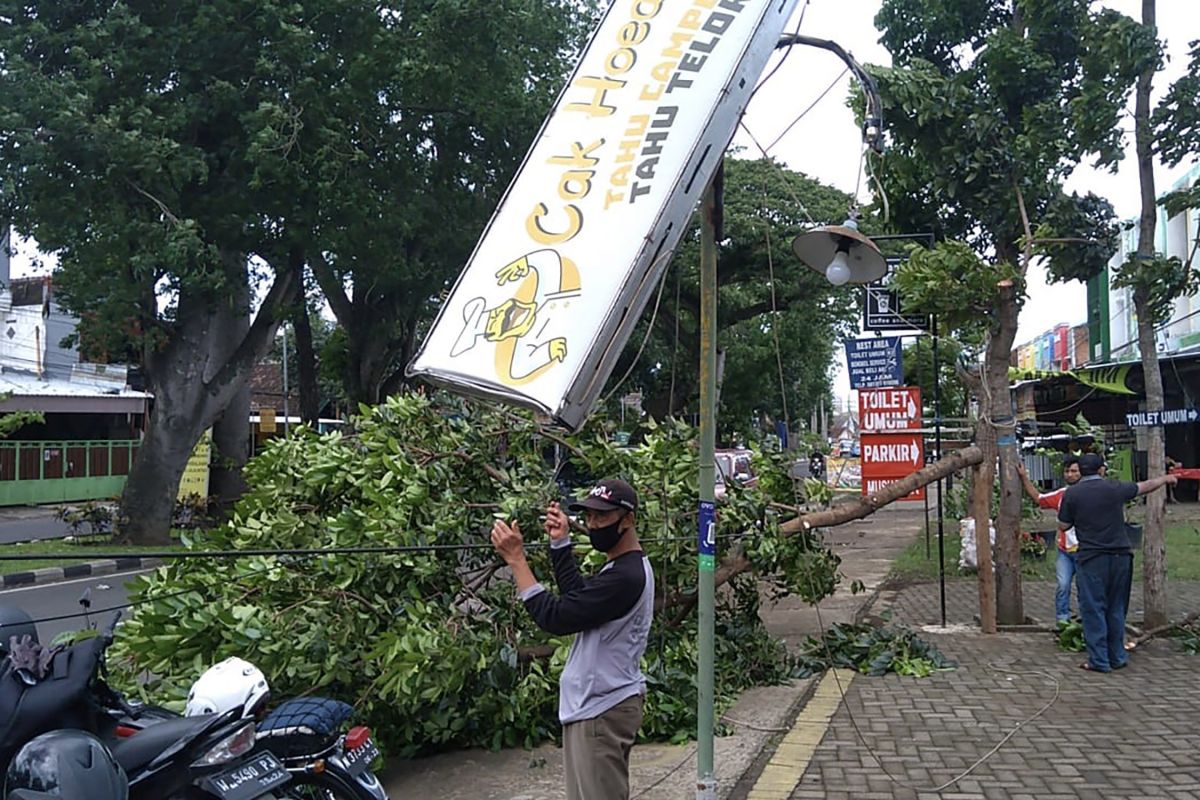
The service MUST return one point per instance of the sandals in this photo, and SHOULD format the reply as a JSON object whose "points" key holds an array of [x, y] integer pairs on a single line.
{"points": [[1087, 666]]}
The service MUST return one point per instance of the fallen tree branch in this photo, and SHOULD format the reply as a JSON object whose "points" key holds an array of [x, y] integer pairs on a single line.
{"points": [[847, 512], [734, 564], [1161, 629]]}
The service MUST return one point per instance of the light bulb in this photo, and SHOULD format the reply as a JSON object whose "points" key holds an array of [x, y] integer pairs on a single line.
{"points": [[838, 271]]}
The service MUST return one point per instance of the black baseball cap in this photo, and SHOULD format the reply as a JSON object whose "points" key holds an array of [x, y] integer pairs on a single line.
{"points": [[1090, 463], [608, 495]]}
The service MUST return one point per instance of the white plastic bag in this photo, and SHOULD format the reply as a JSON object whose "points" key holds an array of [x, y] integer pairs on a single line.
{"points": [[967, 558]]}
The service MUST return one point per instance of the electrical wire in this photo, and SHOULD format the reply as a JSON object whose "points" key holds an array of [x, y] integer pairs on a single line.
{"points": [[786, 53], [810, 107], [649, 329]]}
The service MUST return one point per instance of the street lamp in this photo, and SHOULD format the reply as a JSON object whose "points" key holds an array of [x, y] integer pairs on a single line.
{"points": [[840, 253]]}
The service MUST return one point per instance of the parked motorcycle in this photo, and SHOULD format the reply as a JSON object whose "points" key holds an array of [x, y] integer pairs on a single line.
{"points": [[305, 734], [189, 758]]}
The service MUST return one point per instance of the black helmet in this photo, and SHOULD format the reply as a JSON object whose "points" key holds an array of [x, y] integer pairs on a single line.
{"points": [[15, 622], [67, 764]]}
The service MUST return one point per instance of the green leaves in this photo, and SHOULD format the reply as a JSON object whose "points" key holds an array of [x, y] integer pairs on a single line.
{"points": [[871, 650], [432, 646], [952, 281], [1159, 280], [1078, 234]]}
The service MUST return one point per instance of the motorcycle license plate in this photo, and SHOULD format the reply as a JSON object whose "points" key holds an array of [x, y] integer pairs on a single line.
{"points": [[248, 780], [357, 760]]}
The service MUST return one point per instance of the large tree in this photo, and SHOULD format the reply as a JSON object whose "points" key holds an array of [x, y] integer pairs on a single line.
{"points": [[467, 87], [173, 156], [182, 159], [990, 106], [768, 333]]}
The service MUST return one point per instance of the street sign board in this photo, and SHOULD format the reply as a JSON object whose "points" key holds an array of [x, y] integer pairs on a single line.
{"points": [[889, 457], [874, 362], [881, 306], [873, 485], [1168, 416], [886, 410], [892, 455]]}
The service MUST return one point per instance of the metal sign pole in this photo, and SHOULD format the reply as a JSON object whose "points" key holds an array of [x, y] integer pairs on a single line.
{"points": [[706, 782], [937, 432]]}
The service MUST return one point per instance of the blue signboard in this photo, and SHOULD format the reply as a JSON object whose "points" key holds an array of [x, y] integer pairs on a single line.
{"points": [[874, 363]]}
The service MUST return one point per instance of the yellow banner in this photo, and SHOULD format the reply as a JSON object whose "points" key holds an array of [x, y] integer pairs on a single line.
{"points": [[195, 475]]}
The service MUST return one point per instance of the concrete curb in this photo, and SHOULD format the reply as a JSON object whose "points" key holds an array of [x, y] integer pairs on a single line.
{"points": [[35, 577]]}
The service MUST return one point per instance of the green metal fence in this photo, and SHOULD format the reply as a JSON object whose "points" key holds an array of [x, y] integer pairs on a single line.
{"points": [[63, 472]]}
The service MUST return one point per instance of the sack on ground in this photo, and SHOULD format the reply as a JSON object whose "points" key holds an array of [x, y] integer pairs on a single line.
{"points": [[967, 557]]}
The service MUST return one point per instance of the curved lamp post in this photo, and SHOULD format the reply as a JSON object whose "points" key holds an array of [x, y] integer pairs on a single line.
{"points": [[842, 255]]}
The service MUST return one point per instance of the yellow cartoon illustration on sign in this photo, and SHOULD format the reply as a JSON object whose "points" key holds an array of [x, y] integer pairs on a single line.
{"points": [[529, 327]]}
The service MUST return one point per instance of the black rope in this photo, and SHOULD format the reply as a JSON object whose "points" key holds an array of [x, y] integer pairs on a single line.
{"points": [[296, 553], [299, 551]]}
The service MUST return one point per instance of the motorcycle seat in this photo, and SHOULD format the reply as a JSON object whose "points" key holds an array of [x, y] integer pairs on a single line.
{"points": [[139, 750]]}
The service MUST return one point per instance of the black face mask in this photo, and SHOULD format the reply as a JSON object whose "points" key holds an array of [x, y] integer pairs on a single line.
{"points": [[606, 538]]}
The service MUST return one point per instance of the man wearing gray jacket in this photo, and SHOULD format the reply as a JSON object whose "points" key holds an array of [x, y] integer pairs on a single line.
{"points": [[602, 688]]}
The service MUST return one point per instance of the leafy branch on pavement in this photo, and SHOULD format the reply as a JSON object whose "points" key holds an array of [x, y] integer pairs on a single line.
{"points": [[871, 650]]}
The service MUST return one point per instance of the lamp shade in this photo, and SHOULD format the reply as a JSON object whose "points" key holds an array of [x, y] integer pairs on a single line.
{"points": [[817, 248]]}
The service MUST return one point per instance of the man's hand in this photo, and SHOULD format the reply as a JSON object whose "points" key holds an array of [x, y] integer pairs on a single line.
{"points": [[557, 525], [1171, 479], [1021, 470], [508, 542]]}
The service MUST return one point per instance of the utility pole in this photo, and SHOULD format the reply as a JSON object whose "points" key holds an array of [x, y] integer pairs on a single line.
{"points": [[706, 781]]}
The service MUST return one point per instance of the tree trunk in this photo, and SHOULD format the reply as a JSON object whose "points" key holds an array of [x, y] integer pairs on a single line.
{"points": [[1154, 545], [148, 501], [194, 379], [1009, 602], [306, 362], [231, 429], [230, 452]]}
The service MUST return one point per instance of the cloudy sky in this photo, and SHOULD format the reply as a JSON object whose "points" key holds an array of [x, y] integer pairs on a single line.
{"points": [[825, 143]]}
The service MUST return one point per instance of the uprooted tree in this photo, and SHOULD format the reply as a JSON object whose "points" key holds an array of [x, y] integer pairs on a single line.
{"points": [[431, 645]]}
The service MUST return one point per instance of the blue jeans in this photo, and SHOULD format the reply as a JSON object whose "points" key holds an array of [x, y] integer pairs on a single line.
{"points": [[1064, 569], [1103, 581]]}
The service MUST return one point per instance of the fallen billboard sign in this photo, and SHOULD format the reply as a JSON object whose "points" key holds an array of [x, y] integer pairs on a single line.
{"points": [[577, 245]]}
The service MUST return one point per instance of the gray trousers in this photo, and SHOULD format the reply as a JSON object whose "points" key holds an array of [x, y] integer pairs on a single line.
{"points": [[596, 752]]}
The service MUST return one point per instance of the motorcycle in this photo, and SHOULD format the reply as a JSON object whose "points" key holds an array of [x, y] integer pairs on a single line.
{"points": [[305, 734], [186, 759]]}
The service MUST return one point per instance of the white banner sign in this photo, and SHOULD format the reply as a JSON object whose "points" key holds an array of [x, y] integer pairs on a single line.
{"points": [[576, 247]]}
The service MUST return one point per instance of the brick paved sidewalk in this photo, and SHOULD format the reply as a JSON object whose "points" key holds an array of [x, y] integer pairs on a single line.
{"points": [[920, 604], [1129, 734]]}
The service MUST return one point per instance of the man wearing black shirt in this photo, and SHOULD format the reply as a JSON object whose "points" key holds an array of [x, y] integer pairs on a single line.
{"points": [[602, 686], [1096, 507]]}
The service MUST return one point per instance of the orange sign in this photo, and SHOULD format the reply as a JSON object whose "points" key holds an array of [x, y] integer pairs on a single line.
{"points": [[888, 457]]}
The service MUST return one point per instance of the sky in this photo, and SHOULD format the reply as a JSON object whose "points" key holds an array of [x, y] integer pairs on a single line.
{"points": [[825, 144]]}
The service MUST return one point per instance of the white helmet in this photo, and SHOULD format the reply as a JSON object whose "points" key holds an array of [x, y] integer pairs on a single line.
{"points": [[233, 683]]}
